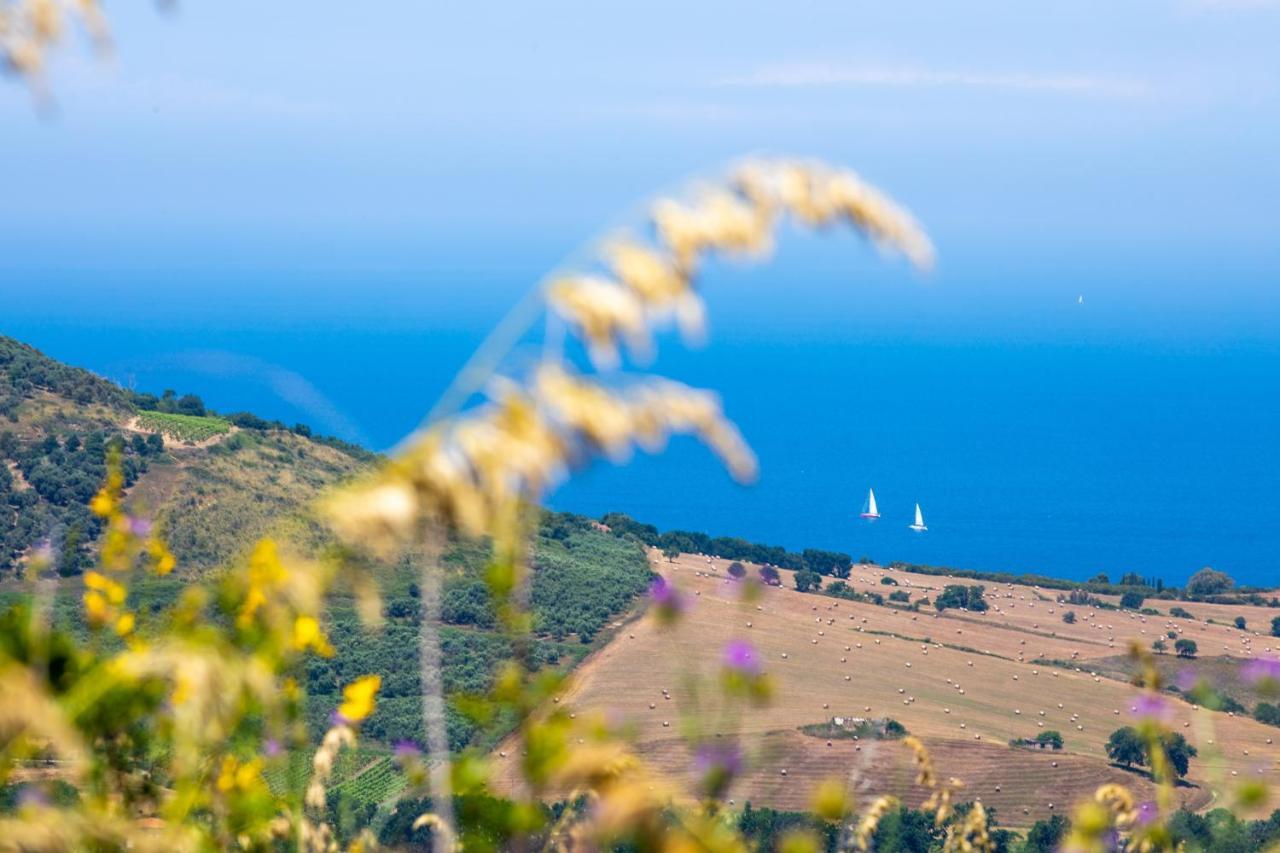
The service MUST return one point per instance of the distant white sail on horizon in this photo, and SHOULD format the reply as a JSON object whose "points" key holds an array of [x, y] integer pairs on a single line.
{"points": [[919, 523], [871, 511]]}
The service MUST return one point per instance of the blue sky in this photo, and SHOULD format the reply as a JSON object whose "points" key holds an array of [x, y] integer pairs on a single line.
{"points": [[1077, 136]]}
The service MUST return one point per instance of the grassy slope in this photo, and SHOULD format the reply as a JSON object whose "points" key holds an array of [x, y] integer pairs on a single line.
{"points": [[212, 500], [913, 667]]}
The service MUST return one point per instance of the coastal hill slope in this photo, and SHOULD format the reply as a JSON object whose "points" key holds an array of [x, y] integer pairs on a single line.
{"points": [[214, 486]]}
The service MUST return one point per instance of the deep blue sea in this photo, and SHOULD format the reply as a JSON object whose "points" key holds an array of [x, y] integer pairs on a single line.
{"points": [[1038, 434]]}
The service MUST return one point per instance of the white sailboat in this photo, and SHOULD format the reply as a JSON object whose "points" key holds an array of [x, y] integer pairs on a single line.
{"points": [[871, 511], [919, 523]]}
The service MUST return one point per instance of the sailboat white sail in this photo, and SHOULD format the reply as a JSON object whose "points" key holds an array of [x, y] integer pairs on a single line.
{"points": [[919, 523], [871, 511]]}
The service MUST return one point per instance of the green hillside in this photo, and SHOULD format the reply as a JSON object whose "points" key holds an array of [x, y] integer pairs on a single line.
{"points": [[216, 483], [213, 487]]}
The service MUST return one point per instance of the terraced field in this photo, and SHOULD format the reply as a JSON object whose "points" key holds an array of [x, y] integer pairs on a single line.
{"points": [[364, 775], [184, 428], [375, 783], [967, 683]]}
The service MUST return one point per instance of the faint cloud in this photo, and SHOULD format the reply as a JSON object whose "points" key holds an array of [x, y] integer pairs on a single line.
{"points": [[1225, 5], [676, 110], [110, 83], [288, 385], [825, 75]]}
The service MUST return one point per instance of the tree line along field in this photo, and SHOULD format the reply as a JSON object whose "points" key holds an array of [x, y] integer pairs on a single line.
{"points": [[966, 682]]}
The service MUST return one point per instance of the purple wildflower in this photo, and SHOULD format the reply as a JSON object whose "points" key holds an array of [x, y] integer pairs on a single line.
{"points": [[1261, 669], [716, 765], [740, 657], [31, 796], [718, 756], [1148, 812], [271, 747], [668, 600], [663, 593], [1186, 679], [336, 719], [1151, 706], [140, 526], [406, 750]]}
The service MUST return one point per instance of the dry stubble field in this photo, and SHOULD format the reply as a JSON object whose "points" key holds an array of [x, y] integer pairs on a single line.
{"points": [[954, 679]]}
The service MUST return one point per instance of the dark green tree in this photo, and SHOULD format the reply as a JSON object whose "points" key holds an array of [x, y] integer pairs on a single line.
{"points": [[907, 830], [1126, 747], [1185, 648], [1267, 713], [1180, 752], [807, 580], [834, 563], [1208, 582], [1131, 600], [1046, 835], [961, 597], [1050, 737]]}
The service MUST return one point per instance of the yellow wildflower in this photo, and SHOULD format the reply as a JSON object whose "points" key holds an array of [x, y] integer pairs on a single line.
{"points": [[307, 635], [162, 557], [96, 607], [125, 624], [227, 774], [829, 800], [358, 698], [247, 774], [265, 572], [236, 776], [103, 504]]}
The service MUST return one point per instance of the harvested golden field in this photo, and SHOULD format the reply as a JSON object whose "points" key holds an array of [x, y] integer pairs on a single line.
{"points": [[954, 679], [1036, 617]]}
